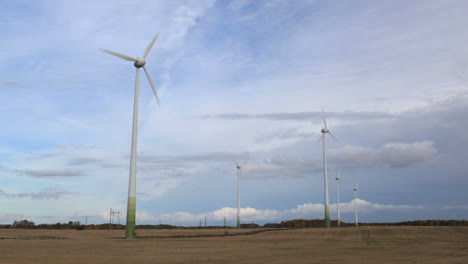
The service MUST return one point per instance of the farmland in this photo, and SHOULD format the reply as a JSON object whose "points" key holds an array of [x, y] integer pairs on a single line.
{"points": [[370, 244]]}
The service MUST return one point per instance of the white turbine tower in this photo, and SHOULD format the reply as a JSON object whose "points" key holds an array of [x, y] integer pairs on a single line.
{"points": [[338, 198], [131, 205], [355, 203], [324, 131], [239, 174]]}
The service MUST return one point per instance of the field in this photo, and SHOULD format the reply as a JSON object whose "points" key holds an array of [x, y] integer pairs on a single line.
{"points": [[374, 244]]}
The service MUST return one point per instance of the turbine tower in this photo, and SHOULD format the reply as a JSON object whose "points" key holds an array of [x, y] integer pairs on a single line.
{"points": [[355, 203], [338, 198], [131, 205], [239, 173], [325, 131]]}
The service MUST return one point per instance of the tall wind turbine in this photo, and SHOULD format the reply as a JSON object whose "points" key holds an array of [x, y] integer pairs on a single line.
{"points": [[324, 131], [338, 198], [355, 203], [239, 173], [131, 205]]}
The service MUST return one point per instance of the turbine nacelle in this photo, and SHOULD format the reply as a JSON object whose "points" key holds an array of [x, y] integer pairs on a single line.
{"points": [[337, 178], [238, 166], [325, 130], [140, 62]]}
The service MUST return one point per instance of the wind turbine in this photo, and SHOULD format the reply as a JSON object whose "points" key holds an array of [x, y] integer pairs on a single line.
{"points": [[239, 173], [338, 197], [355, 203], [131, 205], [324, 131]]}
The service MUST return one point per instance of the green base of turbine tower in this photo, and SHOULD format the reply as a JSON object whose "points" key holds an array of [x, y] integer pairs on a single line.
{"points": [[131, 211], [327, 216], [238, 223]]}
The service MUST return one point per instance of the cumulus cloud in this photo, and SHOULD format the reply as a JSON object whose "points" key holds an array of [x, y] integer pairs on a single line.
{"points": [[250, 214], [369, 207], [53, 173]]}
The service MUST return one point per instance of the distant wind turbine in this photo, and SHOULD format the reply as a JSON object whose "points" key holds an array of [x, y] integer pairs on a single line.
{"points": [[131, 205], [324, 131], [338, 198], [239, 173], [355, 203]]}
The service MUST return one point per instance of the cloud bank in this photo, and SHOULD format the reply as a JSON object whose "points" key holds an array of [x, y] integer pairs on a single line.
{"points": [[45, 194], [250, 214]]}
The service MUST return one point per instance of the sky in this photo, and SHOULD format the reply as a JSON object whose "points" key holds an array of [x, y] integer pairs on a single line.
{"points": [[238, 80]]}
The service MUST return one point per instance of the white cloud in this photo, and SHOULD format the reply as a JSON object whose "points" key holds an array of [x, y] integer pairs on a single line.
{"points": [[250, 214]]}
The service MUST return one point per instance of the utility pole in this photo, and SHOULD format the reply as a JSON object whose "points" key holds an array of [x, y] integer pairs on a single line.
{"points": [[205, 220], [338, 198], [110, 219]]}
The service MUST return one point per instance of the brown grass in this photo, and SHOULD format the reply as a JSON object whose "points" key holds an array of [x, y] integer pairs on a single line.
{"points": [[318, 245]]}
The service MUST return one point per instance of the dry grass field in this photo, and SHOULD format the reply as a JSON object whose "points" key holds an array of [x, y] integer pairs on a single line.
{"points": [[314, 245]]}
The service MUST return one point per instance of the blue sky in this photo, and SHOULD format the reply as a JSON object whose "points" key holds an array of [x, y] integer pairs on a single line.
{"points": [[237, 80]]}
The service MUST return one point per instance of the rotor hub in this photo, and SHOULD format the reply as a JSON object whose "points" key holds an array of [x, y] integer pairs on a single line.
{"points": [[324, 130], [140, 62]]}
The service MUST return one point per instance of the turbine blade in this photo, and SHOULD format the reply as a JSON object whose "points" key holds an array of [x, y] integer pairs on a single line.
{"points": [[236, 163], [332, 136], [151, 83], [324, 118], [244, 162], [148, 49], [320, 139], [125, 57]]}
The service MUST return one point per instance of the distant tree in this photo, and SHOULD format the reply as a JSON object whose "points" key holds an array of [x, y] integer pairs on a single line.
{"points": [[23, 224]]}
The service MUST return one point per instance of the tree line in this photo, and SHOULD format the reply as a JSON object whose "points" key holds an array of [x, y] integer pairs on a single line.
{"points": [[296, 223]]}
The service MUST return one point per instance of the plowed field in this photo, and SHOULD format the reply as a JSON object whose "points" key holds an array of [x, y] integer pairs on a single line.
{"points": [[315, 245]]}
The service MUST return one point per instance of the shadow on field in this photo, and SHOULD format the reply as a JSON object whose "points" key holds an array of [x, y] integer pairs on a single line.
{"points": [[33, 237], [224, 234]]}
